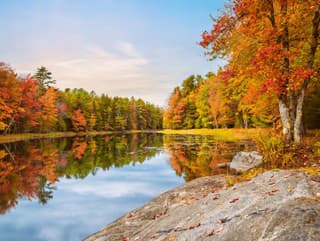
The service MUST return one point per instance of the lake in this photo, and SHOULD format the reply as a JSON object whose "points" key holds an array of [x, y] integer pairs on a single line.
{"points": [[66, 189]]}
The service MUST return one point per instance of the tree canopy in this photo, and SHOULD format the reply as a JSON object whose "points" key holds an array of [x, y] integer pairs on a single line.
{"points": [[272, 47]]}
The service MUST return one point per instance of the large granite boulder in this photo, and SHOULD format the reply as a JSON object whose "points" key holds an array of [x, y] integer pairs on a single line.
{"points": [[244, 161], [275, 206]]}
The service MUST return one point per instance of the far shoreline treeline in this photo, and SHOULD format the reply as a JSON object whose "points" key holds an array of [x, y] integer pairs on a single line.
{"points": [[32, 105]]}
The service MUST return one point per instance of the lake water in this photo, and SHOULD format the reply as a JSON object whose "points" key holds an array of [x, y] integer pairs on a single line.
{"points": [[66, 189]]}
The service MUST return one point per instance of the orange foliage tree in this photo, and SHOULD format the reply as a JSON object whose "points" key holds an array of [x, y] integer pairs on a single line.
{"points": [[79, 122], [275, 43], [49, 110], [10, 97]]}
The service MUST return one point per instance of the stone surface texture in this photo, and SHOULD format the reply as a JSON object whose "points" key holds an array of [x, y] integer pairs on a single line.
{"points": [[275, 206], [244, 161]]}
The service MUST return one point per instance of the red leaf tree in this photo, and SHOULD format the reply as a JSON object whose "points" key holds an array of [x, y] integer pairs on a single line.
{"points": [[275, 43], [79, 122]]}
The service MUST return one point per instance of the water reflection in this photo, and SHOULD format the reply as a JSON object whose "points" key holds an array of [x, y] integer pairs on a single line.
{"points": [[198, 156], [88, 182], [31, 169]]}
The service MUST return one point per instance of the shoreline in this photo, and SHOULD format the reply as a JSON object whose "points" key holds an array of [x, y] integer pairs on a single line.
{"points": [[219, 134], [9, 138]]}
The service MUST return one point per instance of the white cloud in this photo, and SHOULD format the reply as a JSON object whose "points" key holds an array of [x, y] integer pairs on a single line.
{"points": [[128, 49], [102, 70], [51, 233], [113, 189], [71, 62], [120, 70]]}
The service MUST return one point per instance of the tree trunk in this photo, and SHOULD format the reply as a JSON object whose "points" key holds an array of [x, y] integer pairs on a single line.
{"points": [[292, 109], [10, 124], [285, 119], [298, 120], [216, 122], [245, 121]]}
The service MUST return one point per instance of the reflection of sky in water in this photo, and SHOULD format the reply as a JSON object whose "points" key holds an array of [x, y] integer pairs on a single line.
{"points": [[81, 207]]}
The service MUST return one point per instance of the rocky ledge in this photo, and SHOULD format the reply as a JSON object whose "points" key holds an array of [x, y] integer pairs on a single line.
{"points": [[276, 205]]}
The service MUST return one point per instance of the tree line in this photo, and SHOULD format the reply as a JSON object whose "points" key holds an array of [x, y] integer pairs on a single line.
{"points": [[31, 104], [220, 100]]}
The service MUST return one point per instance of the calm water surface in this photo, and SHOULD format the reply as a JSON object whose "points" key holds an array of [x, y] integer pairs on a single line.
{"points": [[66, 189]]}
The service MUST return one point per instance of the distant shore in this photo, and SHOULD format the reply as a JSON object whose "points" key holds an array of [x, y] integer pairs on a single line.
{"points": [[223, 134], [219, 134], [31, 136]]}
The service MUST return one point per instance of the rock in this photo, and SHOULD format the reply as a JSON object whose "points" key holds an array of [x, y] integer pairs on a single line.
{"points": [[244, 161], [261, 209]]}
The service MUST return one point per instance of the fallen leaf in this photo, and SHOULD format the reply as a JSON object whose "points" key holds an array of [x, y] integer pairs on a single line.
{"points": [[271, 193], [196, 226], [125, 239], [159, 215], [210, 234], [272, 183], [316, 178], [233, 200], [219, 230], [288, 175]]}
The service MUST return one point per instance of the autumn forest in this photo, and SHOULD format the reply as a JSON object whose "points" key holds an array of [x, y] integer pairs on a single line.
{"points": [[80, 145], [271, 79], [32, 104]]}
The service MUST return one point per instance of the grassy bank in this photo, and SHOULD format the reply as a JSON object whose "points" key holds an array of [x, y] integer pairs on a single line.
{"points": [[31, 136], [219, 134]]}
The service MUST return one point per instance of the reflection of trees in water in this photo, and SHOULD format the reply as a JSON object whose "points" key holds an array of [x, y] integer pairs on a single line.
{"points": [[31, 169], [45, 190], [18, 177], [198, 156]]}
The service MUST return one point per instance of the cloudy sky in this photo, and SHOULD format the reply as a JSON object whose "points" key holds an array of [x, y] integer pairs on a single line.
{"points": [[139, 48]]}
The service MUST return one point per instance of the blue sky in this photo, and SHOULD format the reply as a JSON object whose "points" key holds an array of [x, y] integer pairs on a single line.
{"points": [[141, 48]]}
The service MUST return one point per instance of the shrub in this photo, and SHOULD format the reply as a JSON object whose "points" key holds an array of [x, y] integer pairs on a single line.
{"points": [[277, 154]]}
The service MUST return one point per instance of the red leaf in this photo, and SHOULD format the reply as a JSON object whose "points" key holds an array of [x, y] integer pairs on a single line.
{"points": [[233, 200]]}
